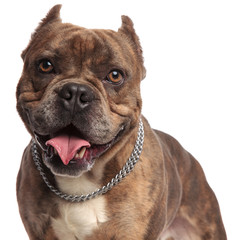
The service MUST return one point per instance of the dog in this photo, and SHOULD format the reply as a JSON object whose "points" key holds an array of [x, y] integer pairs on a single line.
{"points": [[94, 168]]}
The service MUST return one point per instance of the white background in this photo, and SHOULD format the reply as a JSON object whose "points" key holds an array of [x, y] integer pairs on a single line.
{"points": [[192, 56]]}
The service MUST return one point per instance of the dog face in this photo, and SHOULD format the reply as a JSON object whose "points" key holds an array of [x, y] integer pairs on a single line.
{"points": [[79, 92]]}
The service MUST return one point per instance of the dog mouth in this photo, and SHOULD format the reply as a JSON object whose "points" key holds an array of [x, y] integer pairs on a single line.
{"points": [[67, 152]]}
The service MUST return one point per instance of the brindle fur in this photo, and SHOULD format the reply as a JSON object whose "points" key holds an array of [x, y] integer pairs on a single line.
{"points": [[165, 197]]}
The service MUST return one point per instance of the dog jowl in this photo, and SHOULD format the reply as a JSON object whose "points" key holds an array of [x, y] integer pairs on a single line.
{"points": [[79, 98]]}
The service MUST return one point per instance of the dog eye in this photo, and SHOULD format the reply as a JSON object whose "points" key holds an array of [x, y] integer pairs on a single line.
{"points": [[45, 66], [115, 77]]}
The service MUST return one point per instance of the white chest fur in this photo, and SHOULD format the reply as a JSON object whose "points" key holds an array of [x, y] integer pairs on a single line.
{"points": [[77, 220]]}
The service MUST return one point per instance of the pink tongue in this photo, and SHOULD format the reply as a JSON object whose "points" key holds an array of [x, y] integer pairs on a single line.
{"points": [[67, 146]]}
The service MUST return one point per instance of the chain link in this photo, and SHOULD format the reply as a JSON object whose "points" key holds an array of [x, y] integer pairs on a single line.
{"points": [[127, 168]]}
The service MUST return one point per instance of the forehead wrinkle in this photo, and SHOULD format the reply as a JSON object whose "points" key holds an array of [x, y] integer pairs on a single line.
{"points": [[85, 43], [93, 49]]}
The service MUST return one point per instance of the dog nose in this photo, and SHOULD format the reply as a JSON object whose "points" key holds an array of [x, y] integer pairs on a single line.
{"points": [[75, 97]]}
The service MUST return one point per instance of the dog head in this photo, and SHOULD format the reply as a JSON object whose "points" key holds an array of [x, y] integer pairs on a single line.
{"points": [[79, 92]]}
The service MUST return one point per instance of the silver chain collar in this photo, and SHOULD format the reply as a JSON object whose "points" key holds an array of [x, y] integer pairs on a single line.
{"points": [[127, 168]]}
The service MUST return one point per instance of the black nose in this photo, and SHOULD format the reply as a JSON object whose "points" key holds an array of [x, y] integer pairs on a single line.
{"points": [[75, 97]]}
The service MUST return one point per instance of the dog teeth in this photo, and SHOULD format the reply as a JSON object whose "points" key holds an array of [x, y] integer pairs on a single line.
{"points": [[55, 151], [81, 153]]}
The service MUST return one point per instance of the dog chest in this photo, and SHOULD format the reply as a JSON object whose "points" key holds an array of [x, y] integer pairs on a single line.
{"points": [[77, 220]]}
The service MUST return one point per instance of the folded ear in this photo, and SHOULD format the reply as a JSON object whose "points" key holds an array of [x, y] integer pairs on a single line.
{"points": [[128, 31], [52, 16]]}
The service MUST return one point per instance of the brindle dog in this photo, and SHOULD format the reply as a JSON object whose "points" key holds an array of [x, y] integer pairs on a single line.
{"points": [[79, 97]]}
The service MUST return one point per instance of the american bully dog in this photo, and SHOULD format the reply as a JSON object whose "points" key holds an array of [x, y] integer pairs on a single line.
{"points": [[94, 168]]}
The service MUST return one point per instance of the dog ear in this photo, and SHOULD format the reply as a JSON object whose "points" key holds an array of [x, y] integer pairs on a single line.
{"points": [[127, 29], [52, 16]]}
